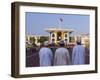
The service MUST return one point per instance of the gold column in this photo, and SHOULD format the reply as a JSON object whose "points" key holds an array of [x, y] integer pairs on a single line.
{"points": [[62, 35], [55, 37]]}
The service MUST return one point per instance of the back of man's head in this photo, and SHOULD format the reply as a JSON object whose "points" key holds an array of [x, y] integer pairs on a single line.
{"points": [[61, 43], [78, 40]]}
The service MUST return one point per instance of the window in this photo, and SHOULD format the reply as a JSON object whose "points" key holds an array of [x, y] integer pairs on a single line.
{"points": [[65, 35], [53, 35], [65, 39], [53, 40]]}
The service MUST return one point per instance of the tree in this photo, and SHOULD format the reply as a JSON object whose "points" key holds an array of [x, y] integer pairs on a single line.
{"points": [[32, 40], [43, 39]]}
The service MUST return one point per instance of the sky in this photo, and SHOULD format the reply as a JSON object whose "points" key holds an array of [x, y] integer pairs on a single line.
{"points": [[37, 22]]}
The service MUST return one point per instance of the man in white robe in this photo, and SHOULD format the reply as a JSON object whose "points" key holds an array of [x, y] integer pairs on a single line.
{"points": [[61, 55], [45, 55], [78, 54]]}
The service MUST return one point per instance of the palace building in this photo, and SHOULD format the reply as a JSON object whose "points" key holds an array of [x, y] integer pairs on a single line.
{"points": [[57, 34]]}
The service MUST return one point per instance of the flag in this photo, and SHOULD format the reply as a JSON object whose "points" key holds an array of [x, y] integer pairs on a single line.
{"points": [[61, 19]]}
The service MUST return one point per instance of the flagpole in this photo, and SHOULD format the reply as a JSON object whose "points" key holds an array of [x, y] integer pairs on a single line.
{"points": [[59, 24], [60, 20]]}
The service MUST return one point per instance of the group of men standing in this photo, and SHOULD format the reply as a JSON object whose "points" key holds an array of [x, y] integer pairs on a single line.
{"points": [[61, 55]]}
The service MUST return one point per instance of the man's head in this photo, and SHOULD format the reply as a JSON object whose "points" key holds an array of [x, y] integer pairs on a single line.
{"points": [[78, 40], [61, 43]]}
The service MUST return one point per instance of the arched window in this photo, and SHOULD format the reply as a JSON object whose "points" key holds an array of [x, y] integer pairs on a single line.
{"points": [[65, 35], [53, 40], [53, 35], [65, 39]]}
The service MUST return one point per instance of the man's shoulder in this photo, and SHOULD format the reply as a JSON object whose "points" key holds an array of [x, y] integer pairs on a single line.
{"points": [[43, 48], [60, 49], [78, 46]]}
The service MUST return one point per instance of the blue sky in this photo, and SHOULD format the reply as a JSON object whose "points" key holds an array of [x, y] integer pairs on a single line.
{"points": [[37, 22]]}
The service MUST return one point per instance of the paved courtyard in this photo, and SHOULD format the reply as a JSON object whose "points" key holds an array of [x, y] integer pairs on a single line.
{"points": [[32, 56]]}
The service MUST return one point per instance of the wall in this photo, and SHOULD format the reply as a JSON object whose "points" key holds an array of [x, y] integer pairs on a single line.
{"points": [[5, 40]]}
